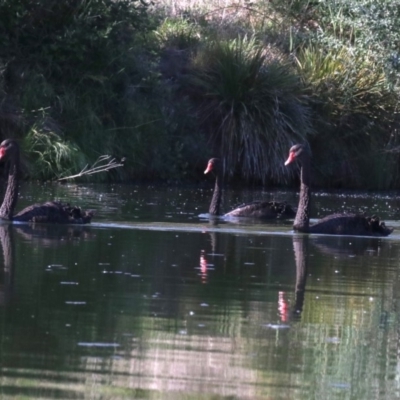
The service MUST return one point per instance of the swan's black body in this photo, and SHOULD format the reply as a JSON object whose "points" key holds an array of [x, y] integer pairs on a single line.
{"points": [[335, 224], [256, 209], [49, 212]]}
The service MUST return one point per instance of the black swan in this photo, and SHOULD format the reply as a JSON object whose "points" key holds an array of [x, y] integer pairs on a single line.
{"points": [[49, 212], [335, 224], [257, 209]]}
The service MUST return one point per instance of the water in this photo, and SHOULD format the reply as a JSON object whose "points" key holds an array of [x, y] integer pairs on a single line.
{"points": [[153, 302]]}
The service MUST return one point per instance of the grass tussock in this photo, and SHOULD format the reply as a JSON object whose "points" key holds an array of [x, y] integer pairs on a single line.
{"points": [[249, 105]]}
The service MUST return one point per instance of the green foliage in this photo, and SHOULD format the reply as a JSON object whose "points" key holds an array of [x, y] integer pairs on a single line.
{"points": [[76, 63], [52, 155], [292, 12], [354, 114], [178, 33], [346, 53], [251, 106], [342, 79], [371, 26], [61, 32], [115, 77]]}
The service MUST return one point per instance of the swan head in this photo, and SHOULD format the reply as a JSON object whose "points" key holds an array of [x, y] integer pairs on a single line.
{"points": [[297, 152], [8, 148], [213, 165]]}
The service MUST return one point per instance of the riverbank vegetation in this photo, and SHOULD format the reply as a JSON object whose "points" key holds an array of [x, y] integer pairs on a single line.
{"points": [[170, 84]]}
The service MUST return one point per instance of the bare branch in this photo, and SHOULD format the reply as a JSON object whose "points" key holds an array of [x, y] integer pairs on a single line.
{"points": [[395, 150], [103, 164]]}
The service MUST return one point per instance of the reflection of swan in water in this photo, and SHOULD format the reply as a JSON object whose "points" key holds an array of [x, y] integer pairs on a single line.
{"points": [[49, 212], [300, 247], [203, 266], [332, 246], [44, 234], [343, 247], [205, 256], [335, 224], [286, 311], [256, 209], [7, 274], [51, 235], [204, 263]]}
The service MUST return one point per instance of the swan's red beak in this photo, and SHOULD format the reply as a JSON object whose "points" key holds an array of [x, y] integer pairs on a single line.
{"points": [[209, 167], [2, 152], [291, 158]]}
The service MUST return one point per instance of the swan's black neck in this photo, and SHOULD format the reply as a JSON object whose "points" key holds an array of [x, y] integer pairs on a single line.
{"points": [[215, 206], [302, 220], [11, 195]]}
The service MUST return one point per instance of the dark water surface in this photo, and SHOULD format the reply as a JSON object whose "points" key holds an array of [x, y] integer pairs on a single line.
{"points": [[153, 302]]}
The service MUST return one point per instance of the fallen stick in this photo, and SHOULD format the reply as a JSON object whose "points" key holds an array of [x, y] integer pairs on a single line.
{"points": [[96, 168]]}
